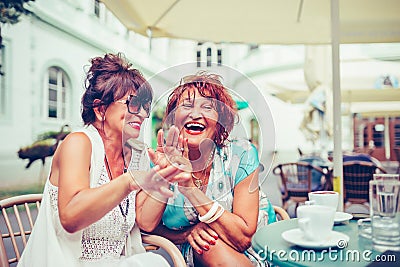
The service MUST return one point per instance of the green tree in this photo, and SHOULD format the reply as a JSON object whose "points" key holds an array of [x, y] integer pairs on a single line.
{"points": [[10, 11]]}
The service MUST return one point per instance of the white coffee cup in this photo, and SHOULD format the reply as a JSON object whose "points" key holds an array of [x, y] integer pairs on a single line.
{"points": [[324, 198], [316, 221]]}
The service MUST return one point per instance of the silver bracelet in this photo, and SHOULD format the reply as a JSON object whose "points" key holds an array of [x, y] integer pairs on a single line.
{"points": [[210, 213], [217, 215]]}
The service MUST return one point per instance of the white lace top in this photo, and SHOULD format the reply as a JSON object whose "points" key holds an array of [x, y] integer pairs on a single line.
{"points": [[103, 243], [104, 239]]}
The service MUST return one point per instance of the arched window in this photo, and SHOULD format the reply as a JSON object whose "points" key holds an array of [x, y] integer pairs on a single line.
{"points": [[208, 53], [96, 8], [209, 60], [57, 88]]}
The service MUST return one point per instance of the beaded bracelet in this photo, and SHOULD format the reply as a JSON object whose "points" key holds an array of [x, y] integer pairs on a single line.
{"points": [[217, 215], [210, 213]]}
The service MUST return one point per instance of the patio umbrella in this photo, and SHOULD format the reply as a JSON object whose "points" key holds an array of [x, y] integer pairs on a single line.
{"points": [[269, 22], [261, 21]]}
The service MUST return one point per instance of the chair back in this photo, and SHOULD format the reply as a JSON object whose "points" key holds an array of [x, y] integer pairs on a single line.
{"points": [[281, 214], [19, 215], [296, 178], [356, 177]]}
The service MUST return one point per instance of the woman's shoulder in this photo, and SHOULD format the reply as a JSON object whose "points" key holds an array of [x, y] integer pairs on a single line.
{"points": [[240, 146], [88, 134], [241, 151], [77, 138], [76, 142]]}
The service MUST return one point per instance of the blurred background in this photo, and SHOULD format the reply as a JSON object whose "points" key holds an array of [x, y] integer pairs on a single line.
{"points": [[46, 44]]}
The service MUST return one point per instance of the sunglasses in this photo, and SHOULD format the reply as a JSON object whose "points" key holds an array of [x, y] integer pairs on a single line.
{"points": [[134, 104]]}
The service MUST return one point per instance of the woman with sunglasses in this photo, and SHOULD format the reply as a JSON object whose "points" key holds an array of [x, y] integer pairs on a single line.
{"points": [[95, 200], [214, 215]]}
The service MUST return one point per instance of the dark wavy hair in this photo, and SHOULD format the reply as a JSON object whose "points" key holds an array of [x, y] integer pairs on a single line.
{"points": [[209, 86], [110, 78]]}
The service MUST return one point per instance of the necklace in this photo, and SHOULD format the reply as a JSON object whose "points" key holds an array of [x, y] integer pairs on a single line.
{"points": [[125, 226], [198, 182]]}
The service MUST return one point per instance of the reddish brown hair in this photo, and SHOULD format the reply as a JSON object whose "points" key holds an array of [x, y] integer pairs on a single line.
{"points": [[209, 86]]}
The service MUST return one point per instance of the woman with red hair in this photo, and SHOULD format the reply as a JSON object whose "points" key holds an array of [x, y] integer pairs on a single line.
{"points": [[214, 215]]}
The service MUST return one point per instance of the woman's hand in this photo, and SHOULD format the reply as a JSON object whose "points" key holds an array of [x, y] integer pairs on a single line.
{"points": [[172, 154], [158, 180], [202, 237], [173, 147]]}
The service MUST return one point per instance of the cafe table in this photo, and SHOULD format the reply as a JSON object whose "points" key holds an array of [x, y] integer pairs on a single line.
{"points": [[270, 246]]}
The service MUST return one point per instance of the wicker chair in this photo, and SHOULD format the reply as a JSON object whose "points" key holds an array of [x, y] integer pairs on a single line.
{"points": [[281, 214], [356, 177], [19, 214], [296, 180]]}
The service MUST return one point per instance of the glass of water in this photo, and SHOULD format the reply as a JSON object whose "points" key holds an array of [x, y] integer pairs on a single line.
{"points": [[364, 228], [385, 214]]}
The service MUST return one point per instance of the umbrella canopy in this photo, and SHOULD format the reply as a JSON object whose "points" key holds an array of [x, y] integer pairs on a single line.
{"points": [[359, 86], [261, 21], [269, 22], [349, 95]]}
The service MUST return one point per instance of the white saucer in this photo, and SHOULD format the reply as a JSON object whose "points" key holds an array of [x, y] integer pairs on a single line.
{"points": [[296, 237], [342, 217]]}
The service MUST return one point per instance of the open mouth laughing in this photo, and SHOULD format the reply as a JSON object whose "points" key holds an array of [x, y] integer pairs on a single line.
{"points": [[194, 128]]}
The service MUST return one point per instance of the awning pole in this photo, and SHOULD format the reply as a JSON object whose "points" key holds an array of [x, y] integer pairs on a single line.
{"points": [[337, 113]]}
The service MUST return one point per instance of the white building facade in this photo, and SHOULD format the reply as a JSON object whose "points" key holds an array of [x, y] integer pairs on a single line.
{"points": [[43, 64], [44, 58]]}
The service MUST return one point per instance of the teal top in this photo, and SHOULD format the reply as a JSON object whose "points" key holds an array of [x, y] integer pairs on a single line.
{"points": [[230, 166]]}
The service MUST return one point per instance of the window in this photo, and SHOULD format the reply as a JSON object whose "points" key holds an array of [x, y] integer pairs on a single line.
{"points": [[208, 53], [198, 54], [396, 132], [253, 47], [209, 57], [3, 102], [378, 135], [219, 56], [96, 6], [57, 87]]}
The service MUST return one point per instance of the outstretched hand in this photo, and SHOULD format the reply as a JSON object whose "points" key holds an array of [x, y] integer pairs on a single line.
{"points": [[158, 181], [165, 153]]}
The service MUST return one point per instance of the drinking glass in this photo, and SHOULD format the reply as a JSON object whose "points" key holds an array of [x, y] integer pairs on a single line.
{"points": [[364, 227], [385, 214]]}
